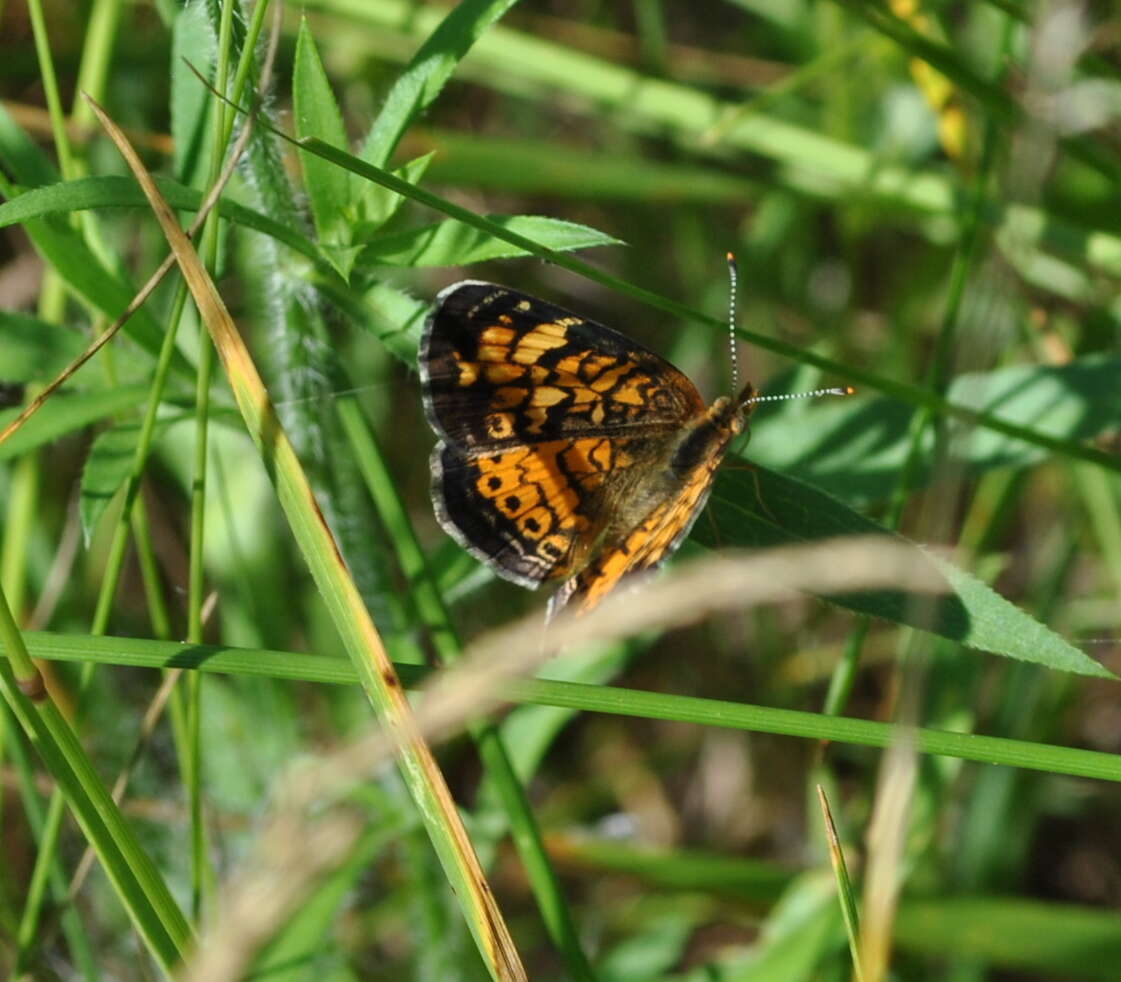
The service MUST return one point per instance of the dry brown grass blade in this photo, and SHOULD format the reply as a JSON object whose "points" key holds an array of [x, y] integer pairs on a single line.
{"points": [[375, 670], [887, 839], [844, 886], [731, 581]]}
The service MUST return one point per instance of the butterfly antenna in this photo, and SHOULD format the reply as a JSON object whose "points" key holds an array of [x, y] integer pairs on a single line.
{"points": [[836, 390], [733, 276]]}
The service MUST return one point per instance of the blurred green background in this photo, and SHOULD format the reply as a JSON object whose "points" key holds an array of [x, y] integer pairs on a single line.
{"points": [[923, 198]]}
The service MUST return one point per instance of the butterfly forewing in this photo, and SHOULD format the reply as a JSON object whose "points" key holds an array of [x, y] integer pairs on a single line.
{"points": [[499, 368]]}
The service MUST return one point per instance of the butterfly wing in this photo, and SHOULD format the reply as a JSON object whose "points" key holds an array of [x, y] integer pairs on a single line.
{"points": [[501, 369], [535, 512], [642, 546]]}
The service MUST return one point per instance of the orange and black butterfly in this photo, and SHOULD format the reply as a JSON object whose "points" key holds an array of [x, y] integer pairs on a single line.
{"points": [[568, 453]]}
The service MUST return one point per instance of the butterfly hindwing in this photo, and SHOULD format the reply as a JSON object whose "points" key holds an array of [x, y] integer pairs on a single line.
{"points": [[641, 547], [534, 512]]}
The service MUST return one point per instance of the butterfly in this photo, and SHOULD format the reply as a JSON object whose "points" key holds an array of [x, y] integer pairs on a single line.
{"points": [[567, 452]]}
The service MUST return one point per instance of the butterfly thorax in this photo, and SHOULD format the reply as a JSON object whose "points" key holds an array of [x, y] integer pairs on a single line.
{"points": [[705, 441]]}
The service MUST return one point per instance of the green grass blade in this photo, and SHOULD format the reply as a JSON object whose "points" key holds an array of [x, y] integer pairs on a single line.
{"points": [[135, 879], [108, 466], [547, 168], [451, 243], [66, 414], [1052, 939], [191, 103], [589, 698], [316, 113], [64, 250], [35, 350], [120, 192]]}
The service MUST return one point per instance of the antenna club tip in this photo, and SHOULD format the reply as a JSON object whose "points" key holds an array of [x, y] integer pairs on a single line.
{"points": [[848, 390], [730, 256]]}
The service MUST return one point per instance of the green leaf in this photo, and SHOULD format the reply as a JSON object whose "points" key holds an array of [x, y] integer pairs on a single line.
{"points": [[64, 414], [122, 192], [427, 72], [1052, 939], [539, 167], [801, 930], [396, 318], [21, 156], [341, 258], [317, 115], [108, 466], [653, 948], [758, 507], [33, 350], [641, 704], [451, 243], [301, 949], [65, 250], [193, 46], [377, 205], [855, 446]]}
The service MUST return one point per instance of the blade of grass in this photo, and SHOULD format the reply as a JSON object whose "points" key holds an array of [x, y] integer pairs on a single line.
{"points": [[221, 130], [135, 879], [845, 894], [1044, 939], [81, 945], [447, 40], [121, 192], [590, 698]]}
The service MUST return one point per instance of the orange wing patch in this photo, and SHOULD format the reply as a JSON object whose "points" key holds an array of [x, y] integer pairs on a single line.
{"points": [[641, 549], [531, 511]]}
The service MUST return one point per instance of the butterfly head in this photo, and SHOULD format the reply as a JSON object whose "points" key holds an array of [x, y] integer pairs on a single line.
{"points": [[728, 414]]}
